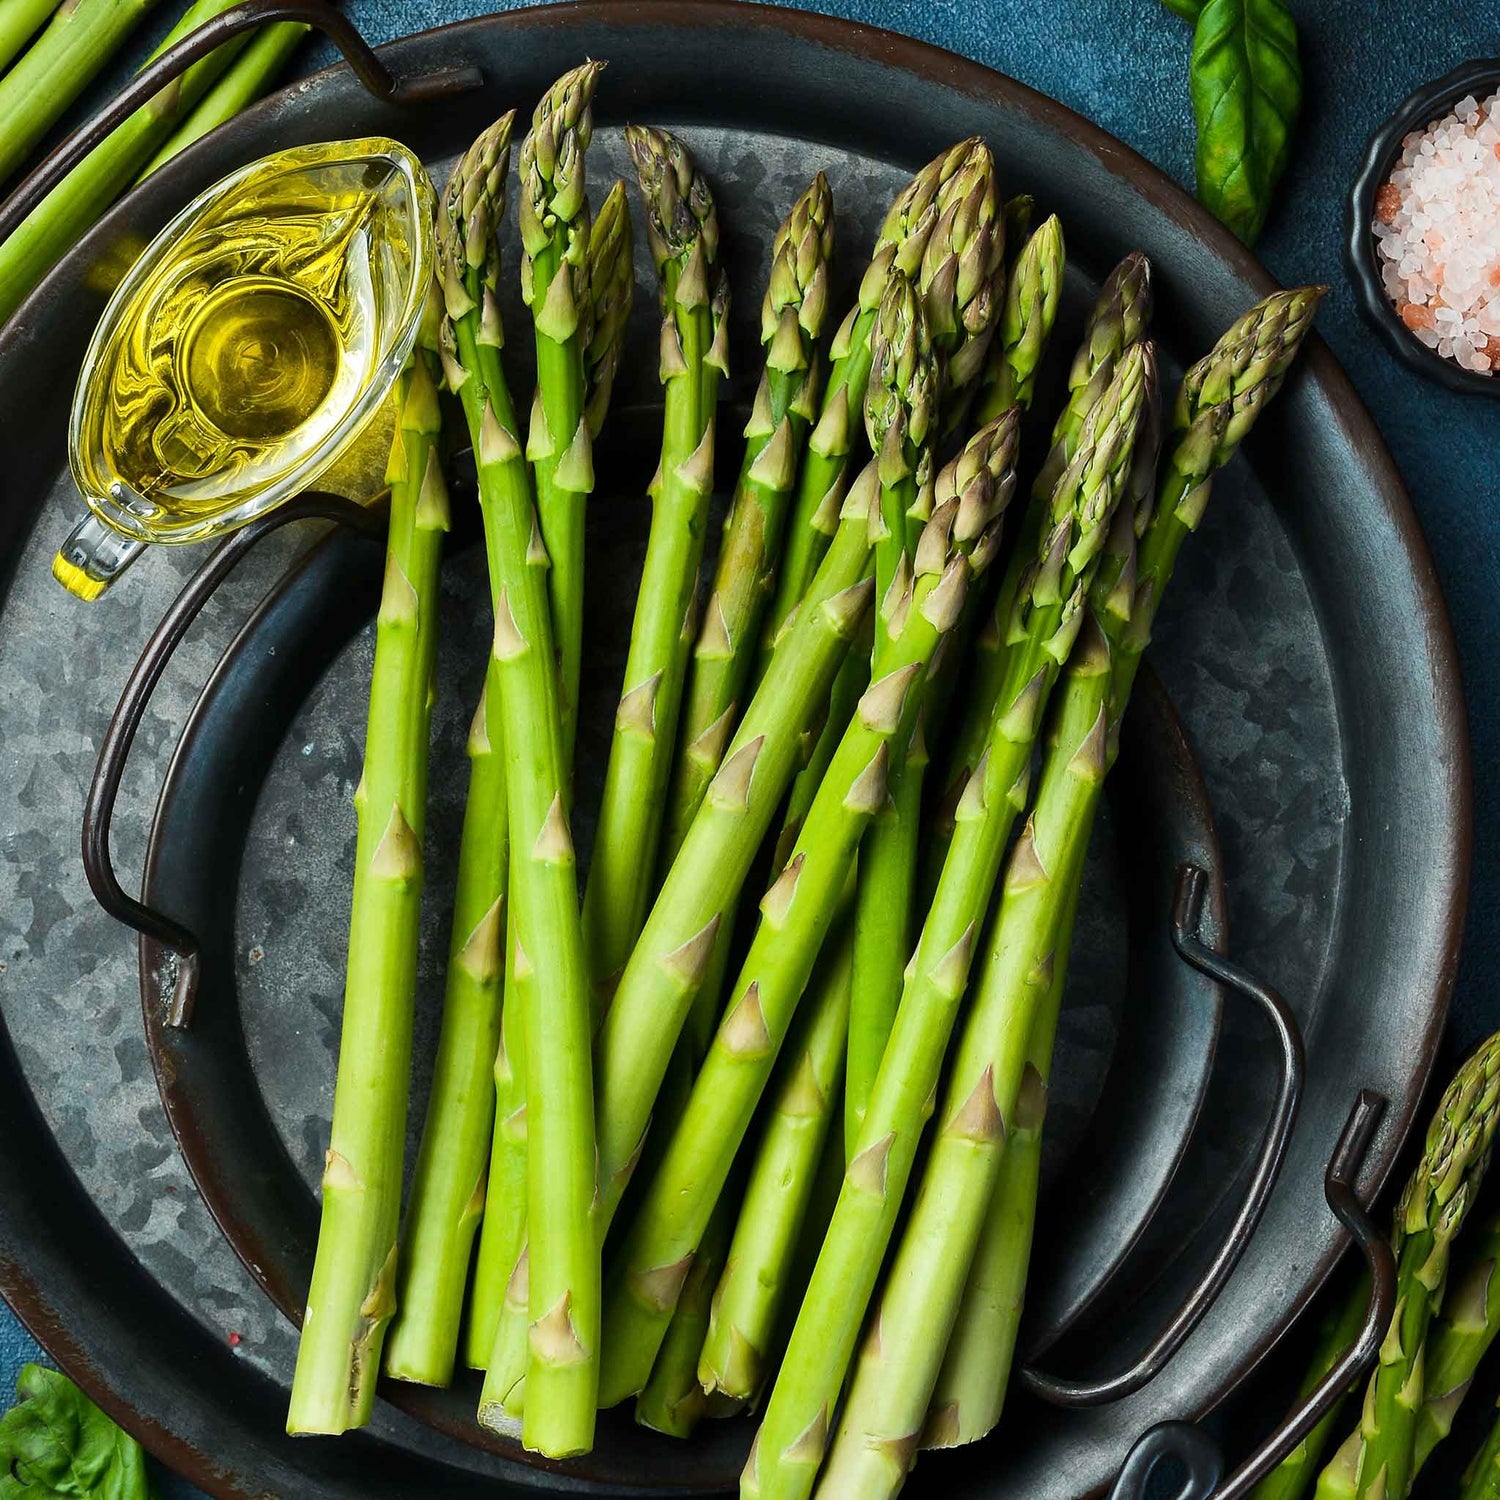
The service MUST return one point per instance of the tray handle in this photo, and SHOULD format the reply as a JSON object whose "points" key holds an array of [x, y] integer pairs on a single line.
{"points": [[99, 809], [1191, 1445], [158, 73], [1187, 911]]}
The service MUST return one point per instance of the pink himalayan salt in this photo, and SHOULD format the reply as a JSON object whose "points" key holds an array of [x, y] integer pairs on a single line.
{"points": [[1437, 232]]}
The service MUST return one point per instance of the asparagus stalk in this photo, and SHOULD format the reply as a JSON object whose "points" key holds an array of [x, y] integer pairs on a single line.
{"points": [[1031, 298], [673, 1401], [80, 38], [498, 1269], [752, 1292], [447, 1194], [672, 957], [1462, 1333], [1292, 1477], [548, 962], [684, 236], [956, 545], [59, 220], [1219, 400], [247, 78], [353, 1284], [791, 323], [554, 221], [1050, 611], [958, 293], [1430, 1214], [454, 1187], [1119, 318], [20, 20], [900, 245], [971, 1386], [1482, 1478], [900, 417]]}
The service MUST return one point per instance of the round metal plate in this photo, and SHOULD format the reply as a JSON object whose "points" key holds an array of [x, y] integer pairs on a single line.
{"points": [[1339, 775]]}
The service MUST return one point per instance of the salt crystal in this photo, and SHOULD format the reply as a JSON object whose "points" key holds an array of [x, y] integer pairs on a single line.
{"points": [[1437, 234]]}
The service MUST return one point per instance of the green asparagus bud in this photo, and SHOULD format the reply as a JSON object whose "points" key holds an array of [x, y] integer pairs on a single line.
{"points": [[1031, 298], [959, 282], [611, 281], [680, 213], [1120, 317]]}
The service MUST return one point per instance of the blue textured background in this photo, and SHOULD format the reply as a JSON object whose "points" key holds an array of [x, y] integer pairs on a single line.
{"points": [[1123, 64]]}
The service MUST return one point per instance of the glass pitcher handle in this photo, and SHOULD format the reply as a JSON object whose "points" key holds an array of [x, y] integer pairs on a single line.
{"points": [[92, 557]]}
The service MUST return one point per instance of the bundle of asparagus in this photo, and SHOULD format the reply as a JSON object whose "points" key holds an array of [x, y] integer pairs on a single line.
{"points": [[811, 683]]}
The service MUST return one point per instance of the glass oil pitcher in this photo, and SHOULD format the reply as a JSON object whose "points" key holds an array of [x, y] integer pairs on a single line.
{"points": [[250, 352]]}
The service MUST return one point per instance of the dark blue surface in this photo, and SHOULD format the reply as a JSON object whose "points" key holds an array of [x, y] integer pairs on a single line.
{"points": [[1123, 64]]}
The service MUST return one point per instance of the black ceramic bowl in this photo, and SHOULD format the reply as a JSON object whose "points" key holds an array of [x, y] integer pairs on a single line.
{"points": [[1430, 102]]}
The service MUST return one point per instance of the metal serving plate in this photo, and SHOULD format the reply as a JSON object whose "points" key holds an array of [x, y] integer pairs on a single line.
{"points": [[1339, 778]]}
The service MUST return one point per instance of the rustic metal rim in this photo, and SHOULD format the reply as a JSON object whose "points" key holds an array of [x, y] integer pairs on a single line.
{"points": [[935, 66]]}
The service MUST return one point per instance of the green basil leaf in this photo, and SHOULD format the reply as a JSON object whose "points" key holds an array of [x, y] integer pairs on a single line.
{"points": [[1189, 10], [54, 1442], [1246, 82]]}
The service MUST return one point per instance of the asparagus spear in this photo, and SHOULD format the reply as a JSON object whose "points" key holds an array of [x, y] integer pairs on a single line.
{"points": [[1431, 1213], [1220, 398], [900, 417], [752, 1291], [502, 1239], [554, 220], [791, 323], [1290, 1479], [1119, 319], [673, 1401], [956, 545], [1482, 1478], [247, 78], [80, 38], [900, 245], [548, 962], [1462, 1332], [684, 236], [971, 1385], [20, 20], [1049, 613], [452, 1183], [448, 1187], [353, 1284], [1031, 297], [670, 960], [958, 292], [86, 32]]}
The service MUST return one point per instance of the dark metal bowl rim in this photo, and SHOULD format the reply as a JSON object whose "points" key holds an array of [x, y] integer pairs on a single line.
{"points": [[943, 68], [1419, 108]]}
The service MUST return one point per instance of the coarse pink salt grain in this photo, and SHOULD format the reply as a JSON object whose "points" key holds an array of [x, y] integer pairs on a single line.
{"points": [[1437, 234]]}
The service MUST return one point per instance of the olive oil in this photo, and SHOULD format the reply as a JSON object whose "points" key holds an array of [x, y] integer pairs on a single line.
{"points": [[251, 348]]}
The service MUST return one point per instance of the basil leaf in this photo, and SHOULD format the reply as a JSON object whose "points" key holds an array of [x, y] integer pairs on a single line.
{"points": [[54, 1442], [1246, 83], [1189, 10]]}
